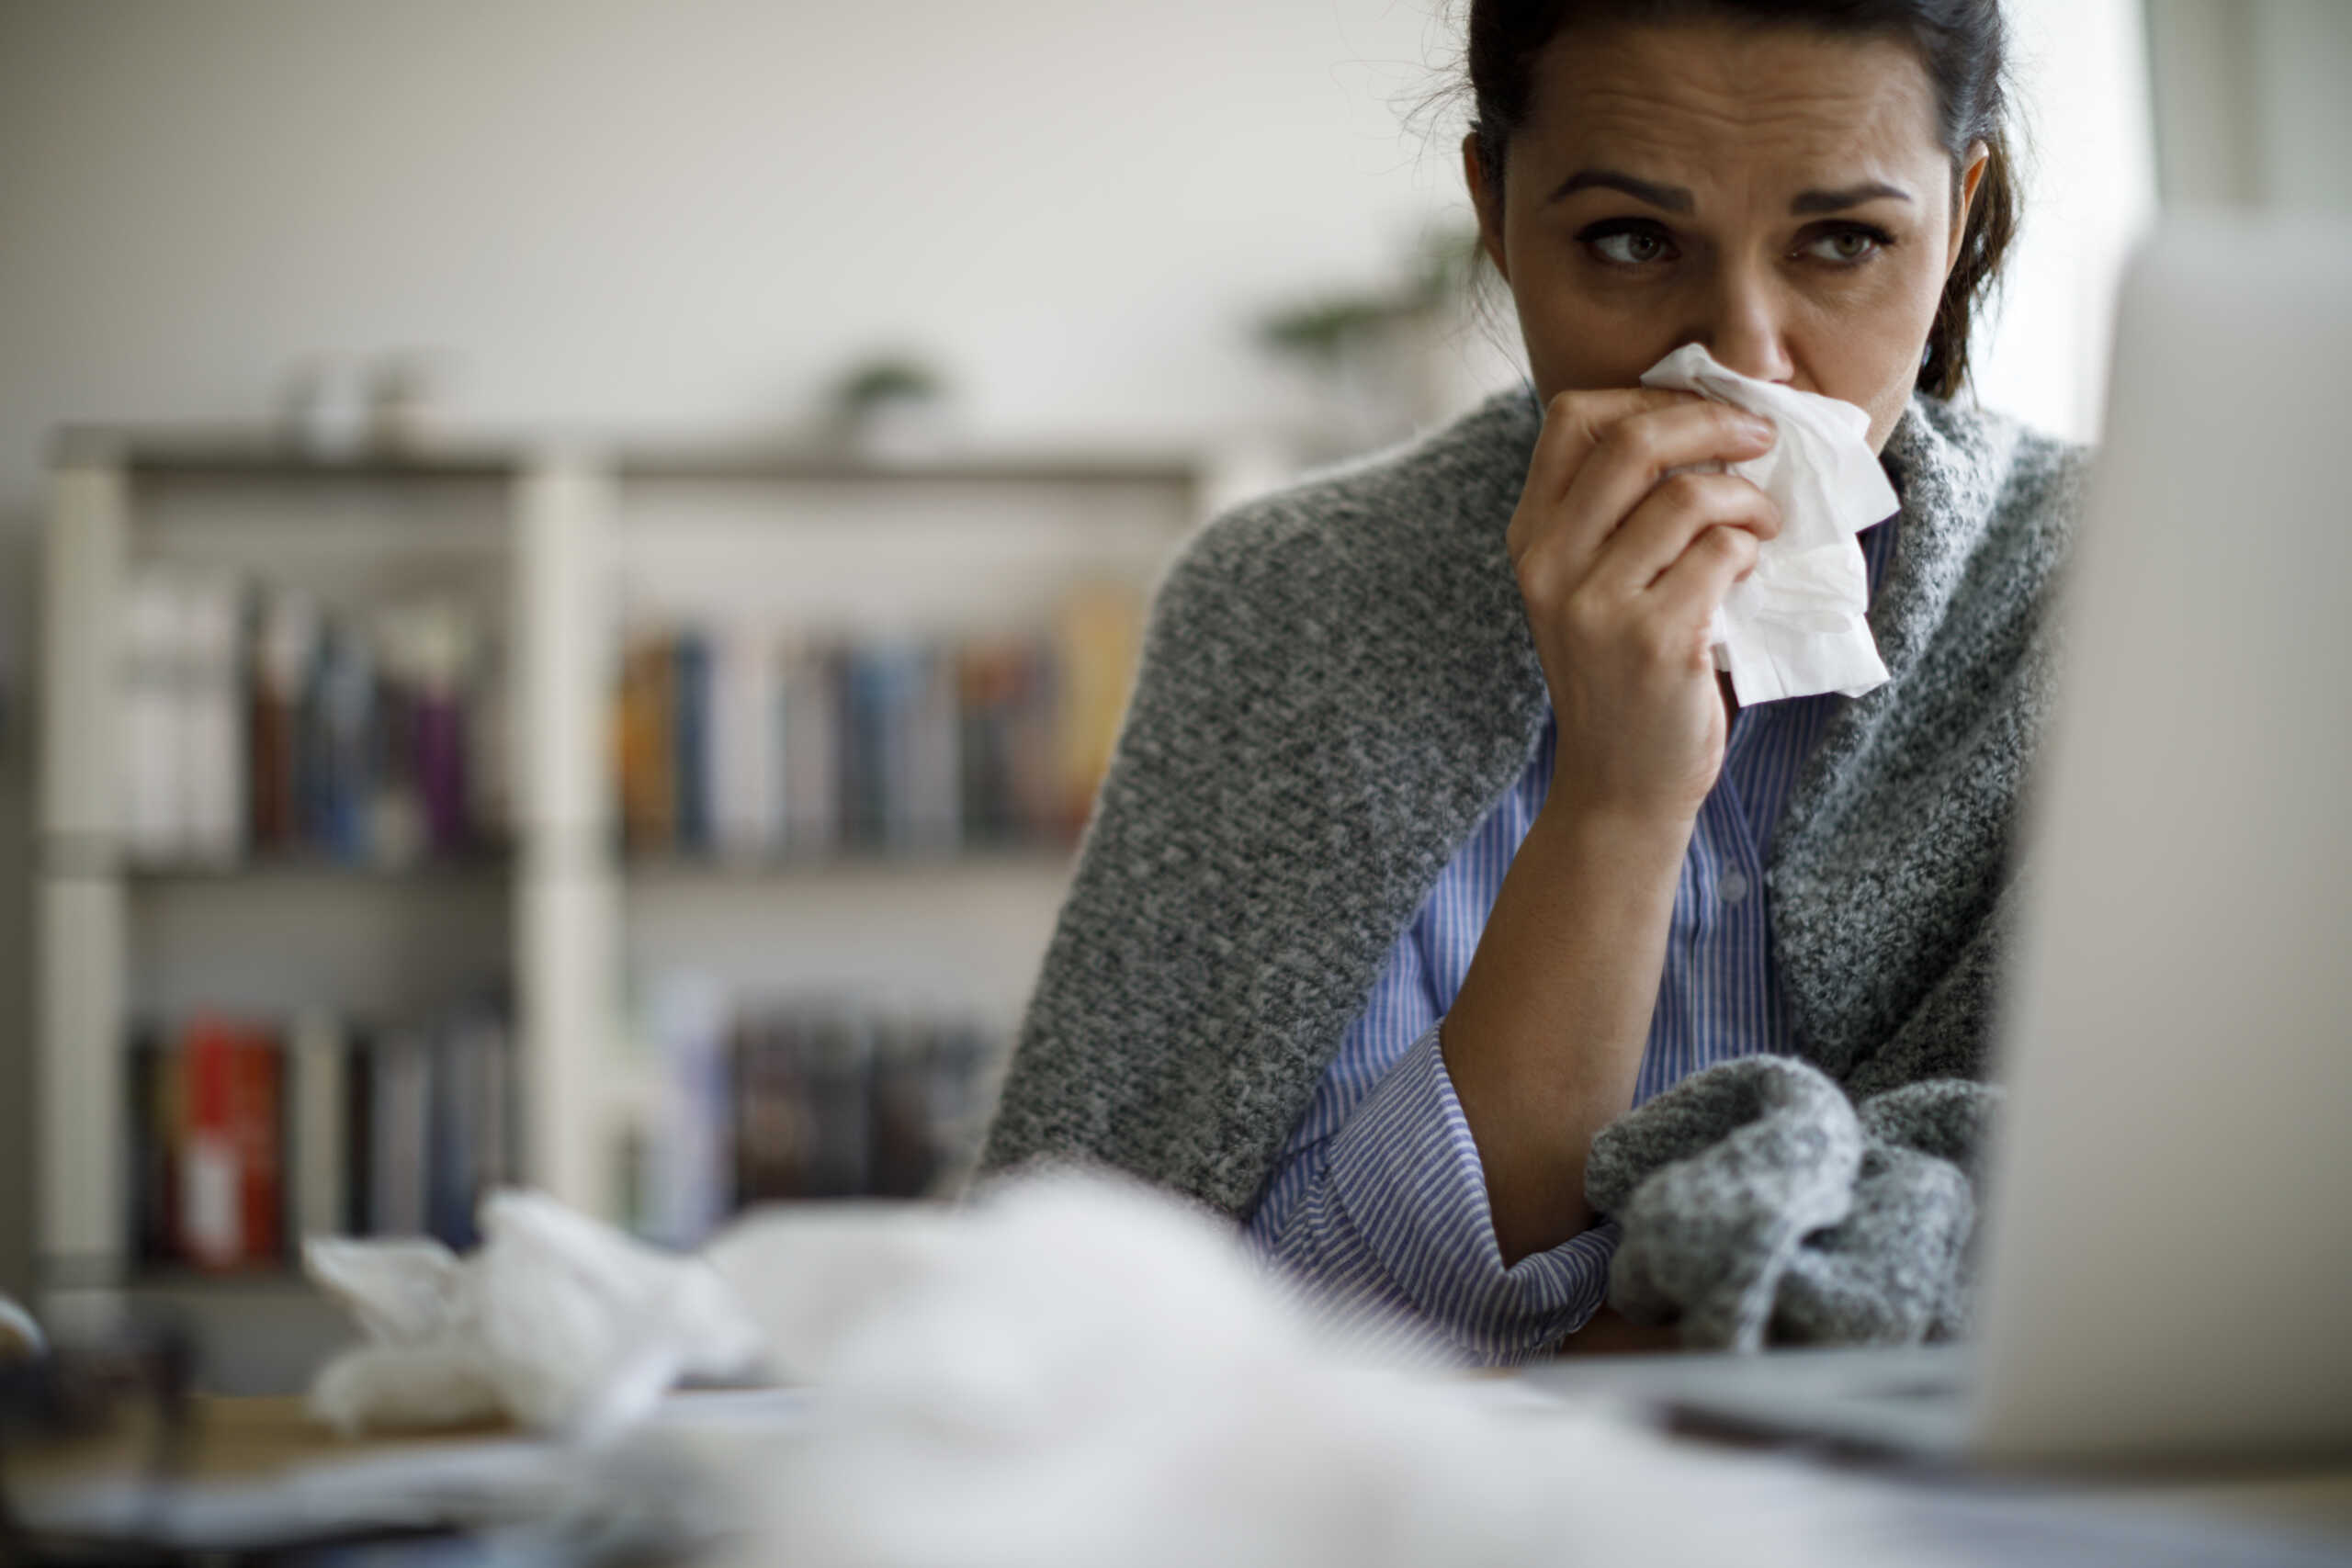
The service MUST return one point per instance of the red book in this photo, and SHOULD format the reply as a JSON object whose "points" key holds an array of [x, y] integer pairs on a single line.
{"points": [[211, 1210], [230, 1185]]}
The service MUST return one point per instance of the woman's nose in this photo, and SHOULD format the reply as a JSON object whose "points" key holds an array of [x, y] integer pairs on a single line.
{"points": [[1746, 334]]}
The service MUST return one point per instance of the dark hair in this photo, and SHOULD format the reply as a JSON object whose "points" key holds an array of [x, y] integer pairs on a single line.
{"points": [[1961, 42]]}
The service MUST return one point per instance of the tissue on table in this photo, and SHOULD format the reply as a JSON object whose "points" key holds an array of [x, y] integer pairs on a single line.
{"points": [[1073, 1370], [559, 1323], [563, 1324], [1087, 1371], [1796, 625]]}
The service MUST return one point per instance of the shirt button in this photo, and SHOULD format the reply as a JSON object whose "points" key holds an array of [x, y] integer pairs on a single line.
{"points": [[1732, 888]]}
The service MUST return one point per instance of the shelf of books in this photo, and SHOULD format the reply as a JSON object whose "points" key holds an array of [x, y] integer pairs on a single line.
{"points": [[276, 835], [671, 832], [858, 719]]}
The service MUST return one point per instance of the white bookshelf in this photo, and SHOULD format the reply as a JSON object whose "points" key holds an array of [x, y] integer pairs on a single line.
{"points": [[563, 551]]}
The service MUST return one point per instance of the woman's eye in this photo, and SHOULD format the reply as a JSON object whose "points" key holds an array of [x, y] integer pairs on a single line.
{"points": [[1629, 247], [1846, 246]]}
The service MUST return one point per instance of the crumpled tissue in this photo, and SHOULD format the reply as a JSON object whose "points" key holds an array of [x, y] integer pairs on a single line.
{"points": [[1083, 1370], [556, 1322], [1073, 1369], [1796, 626], [563, 1324]]}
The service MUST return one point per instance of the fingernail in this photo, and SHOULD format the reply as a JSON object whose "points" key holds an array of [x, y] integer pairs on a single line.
{"points": [[1758, 426]]}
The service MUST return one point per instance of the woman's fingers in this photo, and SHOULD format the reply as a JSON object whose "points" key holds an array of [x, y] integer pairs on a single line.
{"points": [[1638, 452], [1622, 464], [1619, 567], [1573, 423], [1573, 426], [1687, 594], [1654, 536]]}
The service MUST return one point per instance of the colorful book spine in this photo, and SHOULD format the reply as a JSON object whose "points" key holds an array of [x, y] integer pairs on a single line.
{"points": [[933, 788], [153, 810], [320, 1059], [685, 1188], [211, 1210], [810, 1100], [811, 728], [690, 740], [228, 1184], [401, 1101], [255, 723], [282, 645], [645, 748], [156, 1121], [211, 734], [746, 768], [435, 644], [730, 741], [245, 1137], [1101, 635], [770, 1135]]}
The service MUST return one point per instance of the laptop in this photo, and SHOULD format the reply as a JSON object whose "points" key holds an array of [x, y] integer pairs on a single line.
{"points": [[2168, 1259]]}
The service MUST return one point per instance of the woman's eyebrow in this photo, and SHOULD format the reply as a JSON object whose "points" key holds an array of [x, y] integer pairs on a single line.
{"points": [[1673, 198], [1807, 201]]}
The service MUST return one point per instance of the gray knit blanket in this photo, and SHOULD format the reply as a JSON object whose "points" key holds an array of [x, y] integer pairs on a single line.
{"points": [[1758, 1202], [1338, 684]]}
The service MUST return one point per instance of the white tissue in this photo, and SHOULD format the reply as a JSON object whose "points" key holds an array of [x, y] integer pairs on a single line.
{"points": [[556, 1322], [1797, 625], [1074, 1370], [1086, 1371], [809, 1274]]}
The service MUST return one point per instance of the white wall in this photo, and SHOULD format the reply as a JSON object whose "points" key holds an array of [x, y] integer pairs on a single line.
{"points": [[2301, 106], [2089, 166], [2251, 103], [617, 213], [622, 214]]}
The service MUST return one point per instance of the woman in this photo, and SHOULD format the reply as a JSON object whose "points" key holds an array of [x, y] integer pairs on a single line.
{"points": [[1434, 842]]}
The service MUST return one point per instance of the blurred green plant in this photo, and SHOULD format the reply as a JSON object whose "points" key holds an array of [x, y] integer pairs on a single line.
{"points": [[885, 379], [1441, 270]]}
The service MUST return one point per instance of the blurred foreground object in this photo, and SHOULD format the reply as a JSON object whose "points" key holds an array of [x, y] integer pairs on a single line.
{"points": [[19, 1335], [1076, 1370]]}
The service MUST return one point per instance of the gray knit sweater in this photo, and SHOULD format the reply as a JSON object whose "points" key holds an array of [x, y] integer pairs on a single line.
{"points": [[1756, 1201], [1338, 684]]}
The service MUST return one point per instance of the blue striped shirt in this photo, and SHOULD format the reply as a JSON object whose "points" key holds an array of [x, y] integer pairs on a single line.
{"points": [[1378, 1199]]}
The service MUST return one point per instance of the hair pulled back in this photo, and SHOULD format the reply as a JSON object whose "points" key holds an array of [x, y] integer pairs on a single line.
{"points": [[1963, 43]]}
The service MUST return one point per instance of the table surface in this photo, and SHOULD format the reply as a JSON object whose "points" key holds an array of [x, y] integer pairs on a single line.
{"points": [[230, 1439], [246, 1439]]}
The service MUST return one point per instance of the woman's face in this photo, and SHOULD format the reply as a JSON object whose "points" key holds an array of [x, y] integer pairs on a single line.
{"points": [[1778, 195]]}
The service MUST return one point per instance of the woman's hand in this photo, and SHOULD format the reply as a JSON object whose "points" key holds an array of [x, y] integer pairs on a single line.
{"points": [[1621, 569]]}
